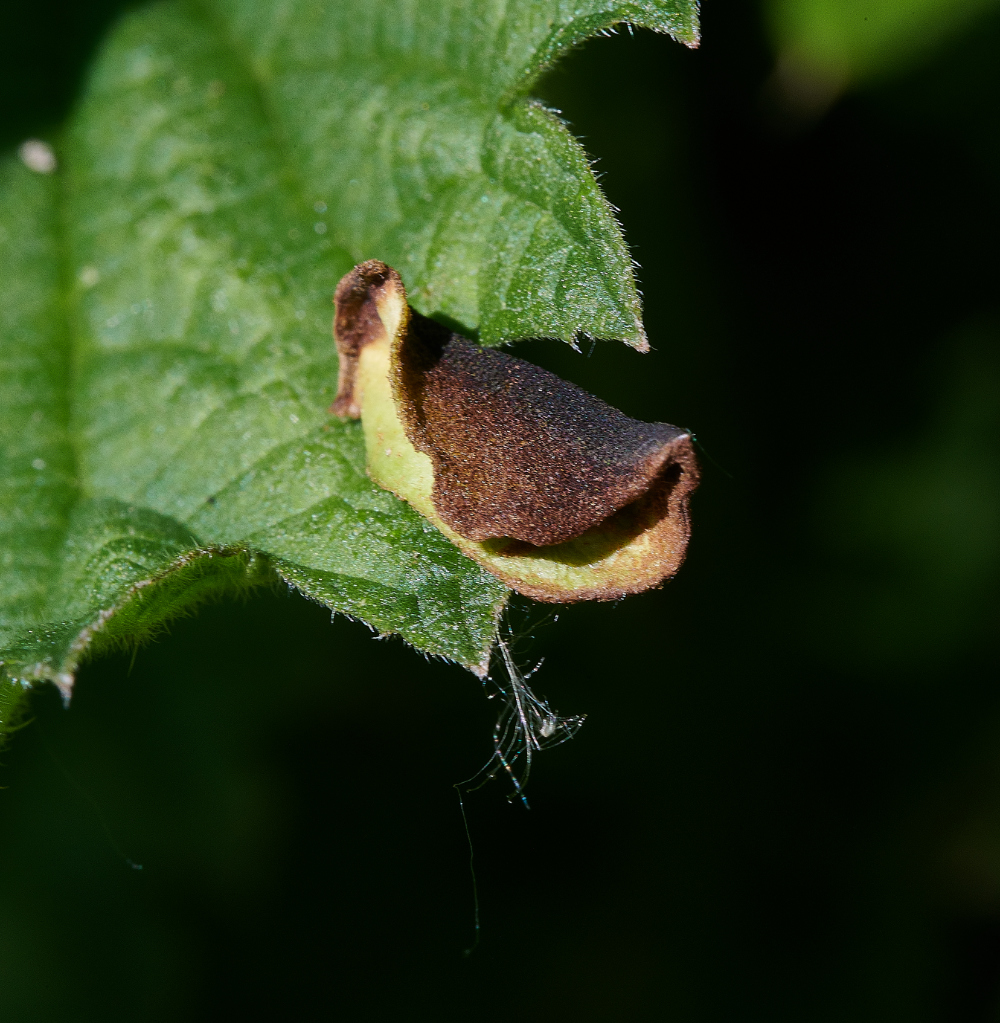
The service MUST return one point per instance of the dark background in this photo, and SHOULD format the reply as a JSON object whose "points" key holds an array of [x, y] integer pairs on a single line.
{"points": [[785, 803]]}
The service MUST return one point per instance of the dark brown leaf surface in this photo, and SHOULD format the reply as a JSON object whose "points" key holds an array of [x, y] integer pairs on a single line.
{"points": [[519, 452]]}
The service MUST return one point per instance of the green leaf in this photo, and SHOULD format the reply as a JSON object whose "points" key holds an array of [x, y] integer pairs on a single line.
{"points": [[166, 364]]}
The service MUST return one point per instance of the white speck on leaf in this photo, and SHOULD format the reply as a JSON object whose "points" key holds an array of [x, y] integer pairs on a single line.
{"points": [[37, 156], [89, 276]]}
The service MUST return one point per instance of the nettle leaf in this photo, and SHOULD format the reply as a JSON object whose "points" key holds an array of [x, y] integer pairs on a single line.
{"points": [[166, 364]]}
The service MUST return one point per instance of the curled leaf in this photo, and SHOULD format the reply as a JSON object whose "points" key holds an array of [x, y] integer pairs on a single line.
{"points": [[560, 495]]}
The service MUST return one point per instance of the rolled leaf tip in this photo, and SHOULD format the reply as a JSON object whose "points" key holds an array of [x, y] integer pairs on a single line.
{"points": [[557, 493]]}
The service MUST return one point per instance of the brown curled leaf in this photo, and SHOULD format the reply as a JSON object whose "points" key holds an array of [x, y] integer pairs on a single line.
{"points": [[356, 322], [560, 495]]}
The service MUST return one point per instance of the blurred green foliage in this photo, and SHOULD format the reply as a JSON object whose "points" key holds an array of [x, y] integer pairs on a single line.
{"points": [[784, 802], [845, 42], [913, 527]]}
